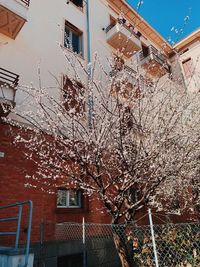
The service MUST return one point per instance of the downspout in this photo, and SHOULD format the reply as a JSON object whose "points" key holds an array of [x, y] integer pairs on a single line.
{"points": [[88, 31], [90, 101]]}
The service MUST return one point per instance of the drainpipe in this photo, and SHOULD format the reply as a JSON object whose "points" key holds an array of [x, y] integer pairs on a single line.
{"points": [[88, 31], [90, 101]]}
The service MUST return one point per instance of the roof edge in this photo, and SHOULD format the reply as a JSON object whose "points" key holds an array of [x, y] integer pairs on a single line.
{"points": [[148, 24], [188, 39]]}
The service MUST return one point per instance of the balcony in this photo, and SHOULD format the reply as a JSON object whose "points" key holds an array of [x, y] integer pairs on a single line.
{"points": [[12, 16], [125, 69], [125, 84], [8, 84], [154, 63], [123, 39]]}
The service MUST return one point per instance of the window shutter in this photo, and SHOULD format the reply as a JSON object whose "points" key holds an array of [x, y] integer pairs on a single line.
{"points": [[187, 67]]}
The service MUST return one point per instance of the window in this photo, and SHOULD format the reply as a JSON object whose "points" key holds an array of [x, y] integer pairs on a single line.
{"points": [[196, 194], [68, 198], [78, 3], [127, 119], [197, 208], [175, 204], [70, 260], [73, 38], [186, 50], [74, 97], [118, 63], [112, 21], [187, 67], [145, 50], [134, 194]]}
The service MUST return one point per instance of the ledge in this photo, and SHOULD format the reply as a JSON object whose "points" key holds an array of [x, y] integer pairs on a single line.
{"points": [[10, 251], [71, 210]]}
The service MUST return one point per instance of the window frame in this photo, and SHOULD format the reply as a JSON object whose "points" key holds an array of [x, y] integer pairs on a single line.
{"points": [[68, 206], [73, 30], [187, 66]]}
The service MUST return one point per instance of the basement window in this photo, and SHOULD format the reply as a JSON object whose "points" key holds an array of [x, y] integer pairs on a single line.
{"points": [[73, 38], [68, 198], [70, 260]]}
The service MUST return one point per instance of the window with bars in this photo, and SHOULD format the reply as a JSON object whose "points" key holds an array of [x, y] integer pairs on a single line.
{"points": [[69, 198], [73, 38]]}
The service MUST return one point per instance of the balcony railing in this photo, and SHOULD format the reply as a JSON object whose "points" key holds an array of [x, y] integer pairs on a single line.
{"points": [[123, 38], [8, 77], [130, 29], [130, 70], [144, 82], [26, 2], [126, 68], [8, 85], [154, 54]]}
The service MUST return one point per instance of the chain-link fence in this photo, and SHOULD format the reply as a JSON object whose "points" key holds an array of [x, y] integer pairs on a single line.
{"points": [[177, 245]]}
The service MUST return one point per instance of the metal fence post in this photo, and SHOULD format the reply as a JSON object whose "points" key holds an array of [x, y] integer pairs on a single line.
{"points": [[84, 247], [153, 238]]}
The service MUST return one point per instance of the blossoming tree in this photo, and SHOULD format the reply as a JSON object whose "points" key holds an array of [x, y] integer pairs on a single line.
{"points": [[129, 142]]}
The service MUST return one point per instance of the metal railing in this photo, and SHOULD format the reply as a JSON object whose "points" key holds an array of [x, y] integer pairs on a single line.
{"points": [[9, 77], [18, 219], [143, 81], [130, 29], [125, 68], [130, 70], [26, 2], [152, 51]]}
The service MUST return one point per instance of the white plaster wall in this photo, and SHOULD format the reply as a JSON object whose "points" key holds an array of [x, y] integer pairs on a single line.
{"points": [[37, 44], [99, 19], [192, 83]]}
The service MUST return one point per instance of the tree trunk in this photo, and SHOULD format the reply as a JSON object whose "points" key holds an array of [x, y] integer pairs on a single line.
{"points": [[122, 250]]}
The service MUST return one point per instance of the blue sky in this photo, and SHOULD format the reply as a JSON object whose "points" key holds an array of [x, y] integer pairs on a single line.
{"points": [[167, 16]]}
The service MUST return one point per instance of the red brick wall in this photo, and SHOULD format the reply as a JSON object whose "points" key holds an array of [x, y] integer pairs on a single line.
{"points": [[13, 168]]}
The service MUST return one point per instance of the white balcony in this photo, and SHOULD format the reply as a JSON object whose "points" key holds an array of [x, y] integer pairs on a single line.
{"points": [[8, 85], [13, 15], [154, 63], [123, 39]]}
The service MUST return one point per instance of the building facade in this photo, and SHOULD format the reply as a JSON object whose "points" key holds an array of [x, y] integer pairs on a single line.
{"points": [[35, 38], [188, 50]]}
